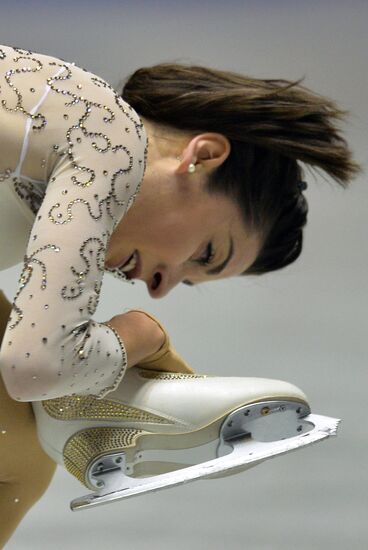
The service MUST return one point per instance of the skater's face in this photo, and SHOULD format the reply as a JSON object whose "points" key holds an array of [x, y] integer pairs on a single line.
{"points": [[180, 231]]}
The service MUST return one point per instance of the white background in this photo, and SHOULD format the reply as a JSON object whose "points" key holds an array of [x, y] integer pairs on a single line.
{"points": [[306, 324]]}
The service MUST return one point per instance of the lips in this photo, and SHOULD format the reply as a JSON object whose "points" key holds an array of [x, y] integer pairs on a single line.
{"points": [[136, 271], [130, 264]]}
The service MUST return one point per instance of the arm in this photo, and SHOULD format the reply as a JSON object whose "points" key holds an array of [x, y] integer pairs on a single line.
{"points": [[141, 335], [52, 347], [149, 343]]}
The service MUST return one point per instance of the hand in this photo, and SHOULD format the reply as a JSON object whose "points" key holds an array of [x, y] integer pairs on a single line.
{"points": [[165, 358], [141, 335]]}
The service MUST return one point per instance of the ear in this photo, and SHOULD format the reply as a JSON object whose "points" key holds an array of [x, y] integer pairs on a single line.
{"points": [[206, 151]]}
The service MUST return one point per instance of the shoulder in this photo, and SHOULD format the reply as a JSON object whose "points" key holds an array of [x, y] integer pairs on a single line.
{"points": [[73, 86]]}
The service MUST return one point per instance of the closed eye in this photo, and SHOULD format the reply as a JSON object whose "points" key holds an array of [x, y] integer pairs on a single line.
{"points": [[208, 255], [218, 269], [206, 259]]}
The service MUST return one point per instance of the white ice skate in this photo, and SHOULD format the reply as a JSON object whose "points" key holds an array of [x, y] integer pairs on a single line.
{"points": [[158, 430]]}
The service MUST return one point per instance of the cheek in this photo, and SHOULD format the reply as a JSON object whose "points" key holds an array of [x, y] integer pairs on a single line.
{"points": [[171, 231], [172, 246], [176, 243]]}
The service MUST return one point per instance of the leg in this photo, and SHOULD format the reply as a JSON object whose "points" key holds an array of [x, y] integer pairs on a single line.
{"points": [[26, 470]]}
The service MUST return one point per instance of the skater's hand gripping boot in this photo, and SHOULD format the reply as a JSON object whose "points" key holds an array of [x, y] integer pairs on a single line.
{"points": [[166, 358]]}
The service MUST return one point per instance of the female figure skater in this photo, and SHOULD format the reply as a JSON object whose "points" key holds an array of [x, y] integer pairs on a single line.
{"points": [[191, 175]]}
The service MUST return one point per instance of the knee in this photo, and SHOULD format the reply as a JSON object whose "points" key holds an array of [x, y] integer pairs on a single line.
{"points": [[18, 494], [37, 480], [27, 483]]}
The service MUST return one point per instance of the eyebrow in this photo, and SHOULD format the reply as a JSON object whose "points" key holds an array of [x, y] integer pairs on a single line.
{"points": [[218, 269]]}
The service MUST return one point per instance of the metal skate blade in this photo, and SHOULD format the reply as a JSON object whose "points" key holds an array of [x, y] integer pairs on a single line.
{"points": [[247, 453]]}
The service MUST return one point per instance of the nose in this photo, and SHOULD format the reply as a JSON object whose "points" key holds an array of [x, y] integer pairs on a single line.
{"points": [[163, 281]]}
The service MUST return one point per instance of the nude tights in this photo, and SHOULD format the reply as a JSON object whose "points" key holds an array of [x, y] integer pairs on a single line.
{"points": [[25, 469]]}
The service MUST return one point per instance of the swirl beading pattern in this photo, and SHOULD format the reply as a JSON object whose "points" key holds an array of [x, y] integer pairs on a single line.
{"points": [[77, 162]]}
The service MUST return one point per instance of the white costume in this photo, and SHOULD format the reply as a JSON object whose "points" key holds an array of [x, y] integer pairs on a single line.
{"points": [[72, 156]]}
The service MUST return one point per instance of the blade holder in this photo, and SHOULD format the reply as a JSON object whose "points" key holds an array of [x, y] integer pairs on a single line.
{"points": [[104, 470], [266, 421]]}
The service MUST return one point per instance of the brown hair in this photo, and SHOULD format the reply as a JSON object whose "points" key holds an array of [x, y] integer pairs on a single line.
{"points": [[271, 124]]}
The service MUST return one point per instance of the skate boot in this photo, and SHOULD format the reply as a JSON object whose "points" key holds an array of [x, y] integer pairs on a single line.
{"points": [[158, 430]]}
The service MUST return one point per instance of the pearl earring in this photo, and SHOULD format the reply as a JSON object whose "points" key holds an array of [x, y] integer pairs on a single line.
{"points": [[191, 168]]}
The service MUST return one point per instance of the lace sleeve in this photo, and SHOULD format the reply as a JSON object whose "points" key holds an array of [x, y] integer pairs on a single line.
{"points": [[52, 347]]}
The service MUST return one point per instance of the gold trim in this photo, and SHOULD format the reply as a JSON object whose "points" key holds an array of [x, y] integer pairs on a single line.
{"points": [[161, 375], [88, 407], [86, 446]]}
